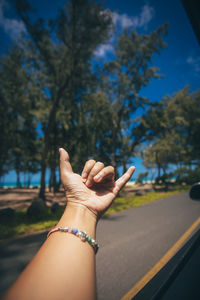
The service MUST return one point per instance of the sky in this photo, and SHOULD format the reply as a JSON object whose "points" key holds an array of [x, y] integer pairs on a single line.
{"points": [[179, 62]]}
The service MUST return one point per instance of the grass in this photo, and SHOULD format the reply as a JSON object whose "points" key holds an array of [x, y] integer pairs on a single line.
{"points": [[122, 203], [21, 224]]}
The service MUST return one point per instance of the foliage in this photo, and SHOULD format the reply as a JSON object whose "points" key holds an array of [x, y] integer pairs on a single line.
{"points": [[141, 176], [18, 127], [122, 203], [172, 127], [122, 79], [188, 176], [62, 57]]}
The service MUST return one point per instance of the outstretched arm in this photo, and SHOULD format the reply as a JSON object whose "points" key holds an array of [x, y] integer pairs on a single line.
{"points": [[64, 267]]}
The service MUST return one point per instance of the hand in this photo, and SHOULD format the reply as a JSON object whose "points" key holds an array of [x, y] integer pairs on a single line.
{"points": [[96, 188]]}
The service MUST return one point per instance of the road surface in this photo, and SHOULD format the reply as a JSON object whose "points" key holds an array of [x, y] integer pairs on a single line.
{"points": [[131, 242]]}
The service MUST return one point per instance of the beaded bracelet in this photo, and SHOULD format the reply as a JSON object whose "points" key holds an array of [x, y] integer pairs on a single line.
{"points": [[81, 234]]}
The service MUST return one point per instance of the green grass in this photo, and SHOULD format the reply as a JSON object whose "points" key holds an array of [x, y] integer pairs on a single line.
{"points": [[21, 224], [122, 203]]}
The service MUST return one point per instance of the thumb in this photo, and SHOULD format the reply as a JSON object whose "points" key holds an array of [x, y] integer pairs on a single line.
{"points": [[65, 166]]}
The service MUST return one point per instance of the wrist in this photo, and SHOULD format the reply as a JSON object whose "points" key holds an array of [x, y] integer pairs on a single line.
{"points": [[79, 216]]}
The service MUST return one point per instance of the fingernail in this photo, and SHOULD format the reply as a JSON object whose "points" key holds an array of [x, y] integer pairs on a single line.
{"points": [[84, 175], [88, 183]]}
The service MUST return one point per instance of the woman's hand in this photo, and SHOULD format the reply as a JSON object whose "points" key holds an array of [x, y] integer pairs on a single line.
{"points": [[96, 188]]}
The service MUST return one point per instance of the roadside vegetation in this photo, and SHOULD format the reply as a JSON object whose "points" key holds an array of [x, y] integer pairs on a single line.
{"points": [[23, 224]]}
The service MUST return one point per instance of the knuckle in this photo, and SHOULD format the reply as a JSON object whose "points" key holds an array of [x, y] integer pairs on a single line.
{"points": [[97, 167], [112, 169], [90, 163], [100, 164]]}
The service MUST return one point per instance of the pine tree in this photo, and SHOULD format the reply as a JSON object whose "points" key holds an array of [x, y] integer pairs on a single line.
{"points": [[64, 49], [123, 78], [19, 135]]}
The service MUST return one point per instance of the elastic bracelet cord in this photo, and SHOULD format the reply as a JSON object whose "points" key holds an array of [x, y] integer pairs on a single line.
{"points": [[81, 234]]}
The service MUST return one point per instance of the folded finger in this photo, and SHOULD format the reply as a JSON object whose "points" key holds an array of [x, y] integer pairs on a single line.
{"points": [[107, 172], [87, 168], [93, 172], [120, 183]]}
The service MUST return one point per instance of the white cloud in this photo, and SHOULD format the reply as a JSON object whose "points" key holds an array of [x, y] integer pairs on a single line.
{"points": [[146, 15], [194, 62], [122, 19], [125, 21], [12, 27], [102, 50]]}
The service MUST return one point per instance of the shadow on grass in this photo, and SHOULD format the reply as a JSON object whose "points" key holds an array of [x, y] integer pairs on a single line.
{"points": [[22, 223]]}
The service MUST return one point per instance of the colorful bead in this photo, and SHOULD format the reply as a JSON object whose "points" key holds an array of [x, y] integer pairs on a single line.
{"points": [[74, 231], [82, 234], [89, 238]]}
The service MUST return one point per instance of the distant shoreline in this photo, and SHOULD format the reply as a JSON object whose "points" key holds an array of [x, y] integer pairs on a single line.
{"points": [[8, 185], [14, 185]]}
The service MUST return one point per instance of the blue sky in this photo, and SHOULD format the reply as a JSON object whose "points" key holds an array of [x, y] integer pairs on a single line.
{"points": [[179, 62]]}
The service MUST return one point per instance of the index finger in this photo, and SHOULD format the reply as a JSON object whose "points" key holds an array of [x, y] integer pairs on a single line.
{"points": [[87, 168]]}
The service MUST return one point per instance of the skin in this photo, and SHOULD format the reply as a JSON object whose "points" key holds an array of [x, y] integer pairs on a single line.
{"points": [[64, 267]]}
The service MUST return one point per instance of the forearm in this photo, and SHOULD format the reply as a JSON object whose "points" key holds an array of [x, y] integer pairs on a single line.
{"points": [[64, 267]]}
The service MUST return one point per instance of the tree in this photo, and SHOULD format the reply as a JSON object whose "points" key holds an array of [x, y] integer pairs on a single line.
{"points": [[122, 80], [4, 130], [18, 128], [64, 49], [141, 177], [160, 154], [172, 126]]}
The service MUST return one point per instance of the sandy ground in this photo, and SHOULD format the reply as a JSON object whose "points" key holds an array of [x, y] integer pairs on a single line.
{"points": [[21, 198]]}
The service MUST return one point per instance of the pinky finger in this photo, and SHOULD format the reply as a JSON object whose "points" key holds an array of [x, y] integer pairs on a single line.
{"points": [[120, 183]]}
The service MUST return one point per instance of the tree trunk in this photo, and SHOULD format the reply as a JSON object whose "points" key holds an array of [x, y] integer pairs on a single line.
{"points": [[50, 181], [42, 179], [50, 126], [124, 165], [29, 179], [158, 170], [113, 160], [18, 179], [54, 180], [158, 165], [59, 182], [54, 161]]}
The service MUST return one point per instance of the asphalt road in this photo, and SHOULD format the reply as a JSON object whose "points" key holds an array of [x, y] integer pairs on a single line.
{"points": [[131, 242]]}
